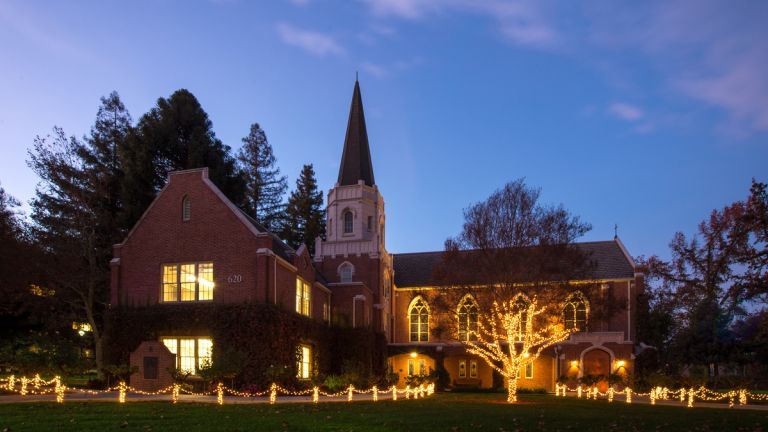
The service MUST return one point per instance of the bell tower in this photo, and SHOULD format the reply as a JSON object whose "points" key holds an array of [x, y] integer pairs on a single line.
{"points": [[353, 258]]}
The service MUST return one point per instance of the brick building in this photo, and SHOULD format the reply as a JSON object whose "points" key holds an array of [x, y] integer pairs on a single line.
{"points": [[193, 246]]}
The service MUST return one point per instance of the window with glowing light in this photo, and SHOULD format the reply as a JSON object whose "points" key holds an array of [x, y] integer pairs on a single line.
{"points": [[520, 304], [576, 312], [348, 222], [529, 371], [187, 282], [418, 316], [462, 369], [467, 319], [303, 297], [191, 353], [473, 368], [304, 362]]}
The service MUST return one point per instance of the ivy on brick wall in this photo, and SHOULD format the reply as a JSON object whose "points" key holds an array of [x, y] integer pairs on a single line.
{"points": [[255, 343]]}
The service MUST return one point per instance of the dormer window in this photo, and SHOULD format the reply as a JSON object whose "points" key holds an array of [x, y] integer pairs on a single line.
{"points": [[348, 223], [186, 208]]}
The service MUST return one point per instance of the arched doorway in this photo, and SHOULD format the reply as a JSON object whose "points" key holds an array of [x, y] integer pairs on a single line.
{"points": [[597, 362]]}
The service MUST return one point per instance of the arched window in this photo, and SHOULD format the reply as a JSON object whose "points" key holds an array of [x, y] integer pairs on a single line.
{"points": [[186, 208], [520, 304], [467, 312], [576, 312], [346, 270], [418, 316], [348, 223]]}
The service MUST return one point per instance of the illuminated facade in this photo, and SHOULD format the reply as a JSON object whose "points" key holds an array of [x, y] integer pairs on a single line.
{"points": [[193, 245]]}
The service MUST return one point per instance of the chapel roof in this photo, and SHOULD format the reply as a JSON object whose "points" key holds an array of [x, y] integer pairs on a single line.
{"points": [[609, 258]]}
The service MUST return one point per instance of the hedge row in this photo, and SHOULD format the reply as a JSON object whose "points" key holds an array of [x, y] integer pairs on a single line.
{"points": [[255, 343]]}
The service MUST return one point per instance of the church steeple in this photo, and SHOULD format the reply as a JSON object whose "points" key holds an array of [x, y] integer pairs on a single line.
{"points": [[356, 158]]}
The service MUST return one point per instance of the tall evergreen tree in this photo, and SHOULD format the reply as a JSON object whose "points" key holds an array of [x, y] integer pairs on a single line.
{"points": [[174, 135], [305, 215], [74, 212], [264, 186]]}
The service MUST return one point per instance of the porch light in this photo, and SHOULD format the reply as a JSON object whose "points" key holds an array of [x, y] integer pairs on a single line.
{"points": [[620, 363], [574, 363], [414, 354]]}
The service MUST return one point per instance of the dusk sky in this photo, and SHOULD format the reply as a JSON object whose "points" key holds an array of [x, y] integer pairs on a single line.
{"points": [[643, 114]]}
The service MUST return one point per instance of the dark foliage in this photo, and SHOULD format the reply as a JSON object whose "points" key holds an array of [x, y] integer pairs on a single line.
{"points": [[257, 342]]}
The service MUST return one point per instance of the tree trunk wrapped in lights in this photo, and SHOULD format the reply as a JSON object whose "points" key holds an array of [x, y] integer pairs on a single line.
{"points": [[499, 341]]}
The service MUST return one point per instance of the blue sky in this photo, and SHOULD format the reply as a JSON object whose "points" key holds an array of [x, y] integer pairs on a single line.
{"points": [[644, 114]]}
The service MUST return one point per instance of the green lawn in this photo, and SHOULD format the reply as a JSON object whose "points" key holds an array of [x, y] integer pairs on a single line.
{"points": [[442, 412]]}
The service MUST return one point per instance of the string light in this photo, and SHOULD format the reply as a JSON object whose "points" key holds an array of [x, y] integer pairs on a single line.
{"points": [[691, 393], [394, 393], [11, 382], [59, 390], [121, 394], [315, 394], [610, 394], [23, 386], [220, 394], [350, 392], [273, 394], [375, 391], [175, 393], [628, 392]]}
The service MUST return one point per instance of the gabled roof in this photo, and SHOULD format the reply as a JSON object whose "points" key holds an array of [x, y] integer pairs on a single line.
{"points": [[611, 262], [356, 158]]}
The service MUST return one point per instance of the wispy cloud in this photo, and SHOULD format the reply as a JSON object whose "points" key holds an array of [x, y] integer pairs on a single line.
{"points": [[518, 21], [315, 43], [375, 70], [626, 111]]}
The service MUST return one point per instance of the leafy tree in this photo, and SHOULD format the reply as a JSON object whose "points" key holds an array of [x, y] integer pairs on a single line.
{"points": [[264, 186], [13, 246], [174, 135], [505, 269], [74, 214], [708, 280], [305, 215]]}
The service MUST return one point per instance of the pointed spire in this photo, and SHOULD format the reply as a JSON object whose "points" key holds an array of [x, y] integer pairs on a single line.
{"points": [[356, 158]]}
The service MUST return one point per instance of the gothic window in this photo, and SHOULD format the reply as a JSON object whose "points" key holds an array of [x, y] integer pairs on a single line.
{"points": [[346, 270], [348, 223], [520, 304], [186, 208], [418, 316], [467, 312], [576, 312]]}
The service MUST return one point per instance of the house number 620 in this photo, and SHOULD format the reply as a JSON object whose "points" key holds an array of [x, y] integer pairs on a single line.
{"points": [[235, 278]]}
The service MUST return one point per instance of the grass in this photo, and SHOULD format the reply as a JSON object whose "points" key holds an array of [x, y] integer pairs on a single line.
{"points": [[442, 412]]}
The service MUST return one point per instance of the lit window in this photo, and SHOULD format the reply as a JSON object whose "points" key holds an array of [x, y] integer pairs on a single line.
{"points": [[346, 271], [187, 282], [473, 368], [529, 370], [462, 369], [191, 353], [576, 312], [303, 294], [411, 367], [422, 367], [304, 362], [348, 223], [468, 319], [186, 208], [419, 321], [520, 305]]}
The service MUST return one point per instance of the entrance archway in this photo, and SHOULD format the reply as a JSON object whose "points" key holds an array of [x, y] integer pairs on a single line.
{"points": [[597, 362]]}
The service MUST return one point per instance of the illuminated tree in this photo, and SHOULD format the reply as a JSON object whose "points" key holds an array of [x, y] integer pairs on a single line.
{"points": [[510, 337]]}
